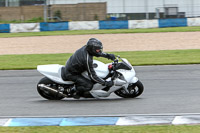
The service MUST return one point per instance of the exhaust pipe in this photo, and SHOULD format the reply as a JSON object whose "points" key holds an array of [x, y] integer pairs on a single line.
{"points": [[43, 86]]}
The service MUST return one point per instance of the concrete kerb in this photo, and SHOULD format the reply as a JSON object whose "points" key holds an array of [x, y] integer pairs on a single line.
{"points": [[123, 120]]}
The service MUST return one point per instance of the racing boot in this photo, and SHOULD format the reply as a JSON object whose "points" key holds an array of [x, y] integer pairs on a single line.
{"points": [[87, 94], [75, 93]]}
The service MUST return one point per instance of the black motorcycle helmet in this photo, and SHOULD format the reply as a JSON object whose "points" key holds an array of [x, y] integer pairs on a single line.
{"points": [[94, 47]]}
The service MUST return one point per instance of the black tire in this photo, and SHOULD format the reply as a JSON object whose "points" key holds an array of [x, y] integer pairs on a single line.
{"points": [[47, 94], [135, 90]]}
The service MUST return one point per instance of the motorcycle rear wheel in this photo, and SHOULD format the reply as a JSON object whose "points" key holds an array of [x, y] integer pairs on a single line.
{"points": [[135, 90], [47, 94]]}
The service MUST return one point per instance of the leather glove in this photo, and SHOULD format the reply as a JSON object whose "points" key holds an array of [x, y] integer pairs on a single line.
{"points": [[111, 56], [109, 83]]}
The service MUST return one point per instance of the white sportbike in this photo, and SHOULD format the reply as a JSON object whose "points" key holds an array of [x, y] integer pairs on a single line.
{"points": [[126, 84]]}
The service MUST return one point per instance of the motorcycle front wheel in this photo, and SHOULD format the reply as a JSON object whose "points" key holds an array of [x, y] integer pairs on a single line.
{"points": [[135, 90], [48, 94]]}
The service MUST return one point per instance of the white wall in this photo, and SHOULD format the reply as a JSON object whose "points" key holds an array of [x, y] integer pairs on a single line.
{"points": [[191, 7]]}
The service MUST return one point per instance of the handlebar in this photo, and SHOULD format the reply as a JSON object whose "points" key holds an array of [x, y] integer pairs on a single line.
{"points": [[117, 59]]}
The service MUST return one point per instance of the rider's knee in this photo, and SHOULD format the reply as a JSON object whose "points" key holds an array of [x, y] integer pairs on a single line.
{"points": [[85, 88]]}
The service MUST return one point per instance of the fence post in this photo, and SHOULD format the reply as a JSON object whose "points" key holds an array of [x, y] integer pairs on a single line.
{"points": [[192, 5], [146, 9], [6, 3], [45, 10]]}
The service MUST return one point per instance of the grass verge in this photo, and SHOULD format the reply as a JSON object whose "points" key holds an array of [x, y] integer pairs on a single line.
{"points": [[163, 57], [111, 31], [104, 129]]}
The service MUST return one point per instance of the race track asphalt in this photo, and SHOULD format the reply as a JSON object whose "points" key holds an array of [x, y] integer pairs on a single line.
{"points": [[169, 89]]}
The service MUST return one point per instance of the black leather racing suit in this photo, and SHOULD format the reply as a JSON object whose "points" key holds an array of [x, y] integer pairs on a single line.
{"points": [[79, 62]]}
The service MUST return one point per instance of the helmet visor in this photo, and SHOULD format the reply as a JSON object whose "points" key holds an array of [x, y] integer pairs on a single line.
{"points": [[99, 50]]}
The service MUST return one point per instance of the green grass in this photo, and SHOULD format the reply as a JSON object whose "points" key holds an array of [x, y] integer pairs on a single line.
{"points": [[163, 57], [104, 129], [113, 31], [33, 20]]}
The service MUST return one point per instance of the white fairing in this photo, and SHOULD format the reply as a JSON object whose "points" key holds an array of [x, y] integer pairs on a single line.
{"points": [[53, 72], [129, 75], [101, 69]]}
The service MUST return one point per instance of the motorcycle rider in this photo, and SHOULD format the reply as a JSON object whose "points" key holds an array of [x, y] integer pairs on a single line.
{"points": [[82, 60]]}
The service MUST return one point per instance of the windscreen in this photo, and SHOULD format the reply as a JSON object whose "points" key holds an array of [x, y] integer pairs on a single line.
{"points": [[125, 61]]}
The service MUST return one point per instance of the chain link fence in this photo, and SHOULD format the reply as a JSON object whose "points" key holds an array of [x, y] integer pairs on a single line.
{"points": [[90, 10]]}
